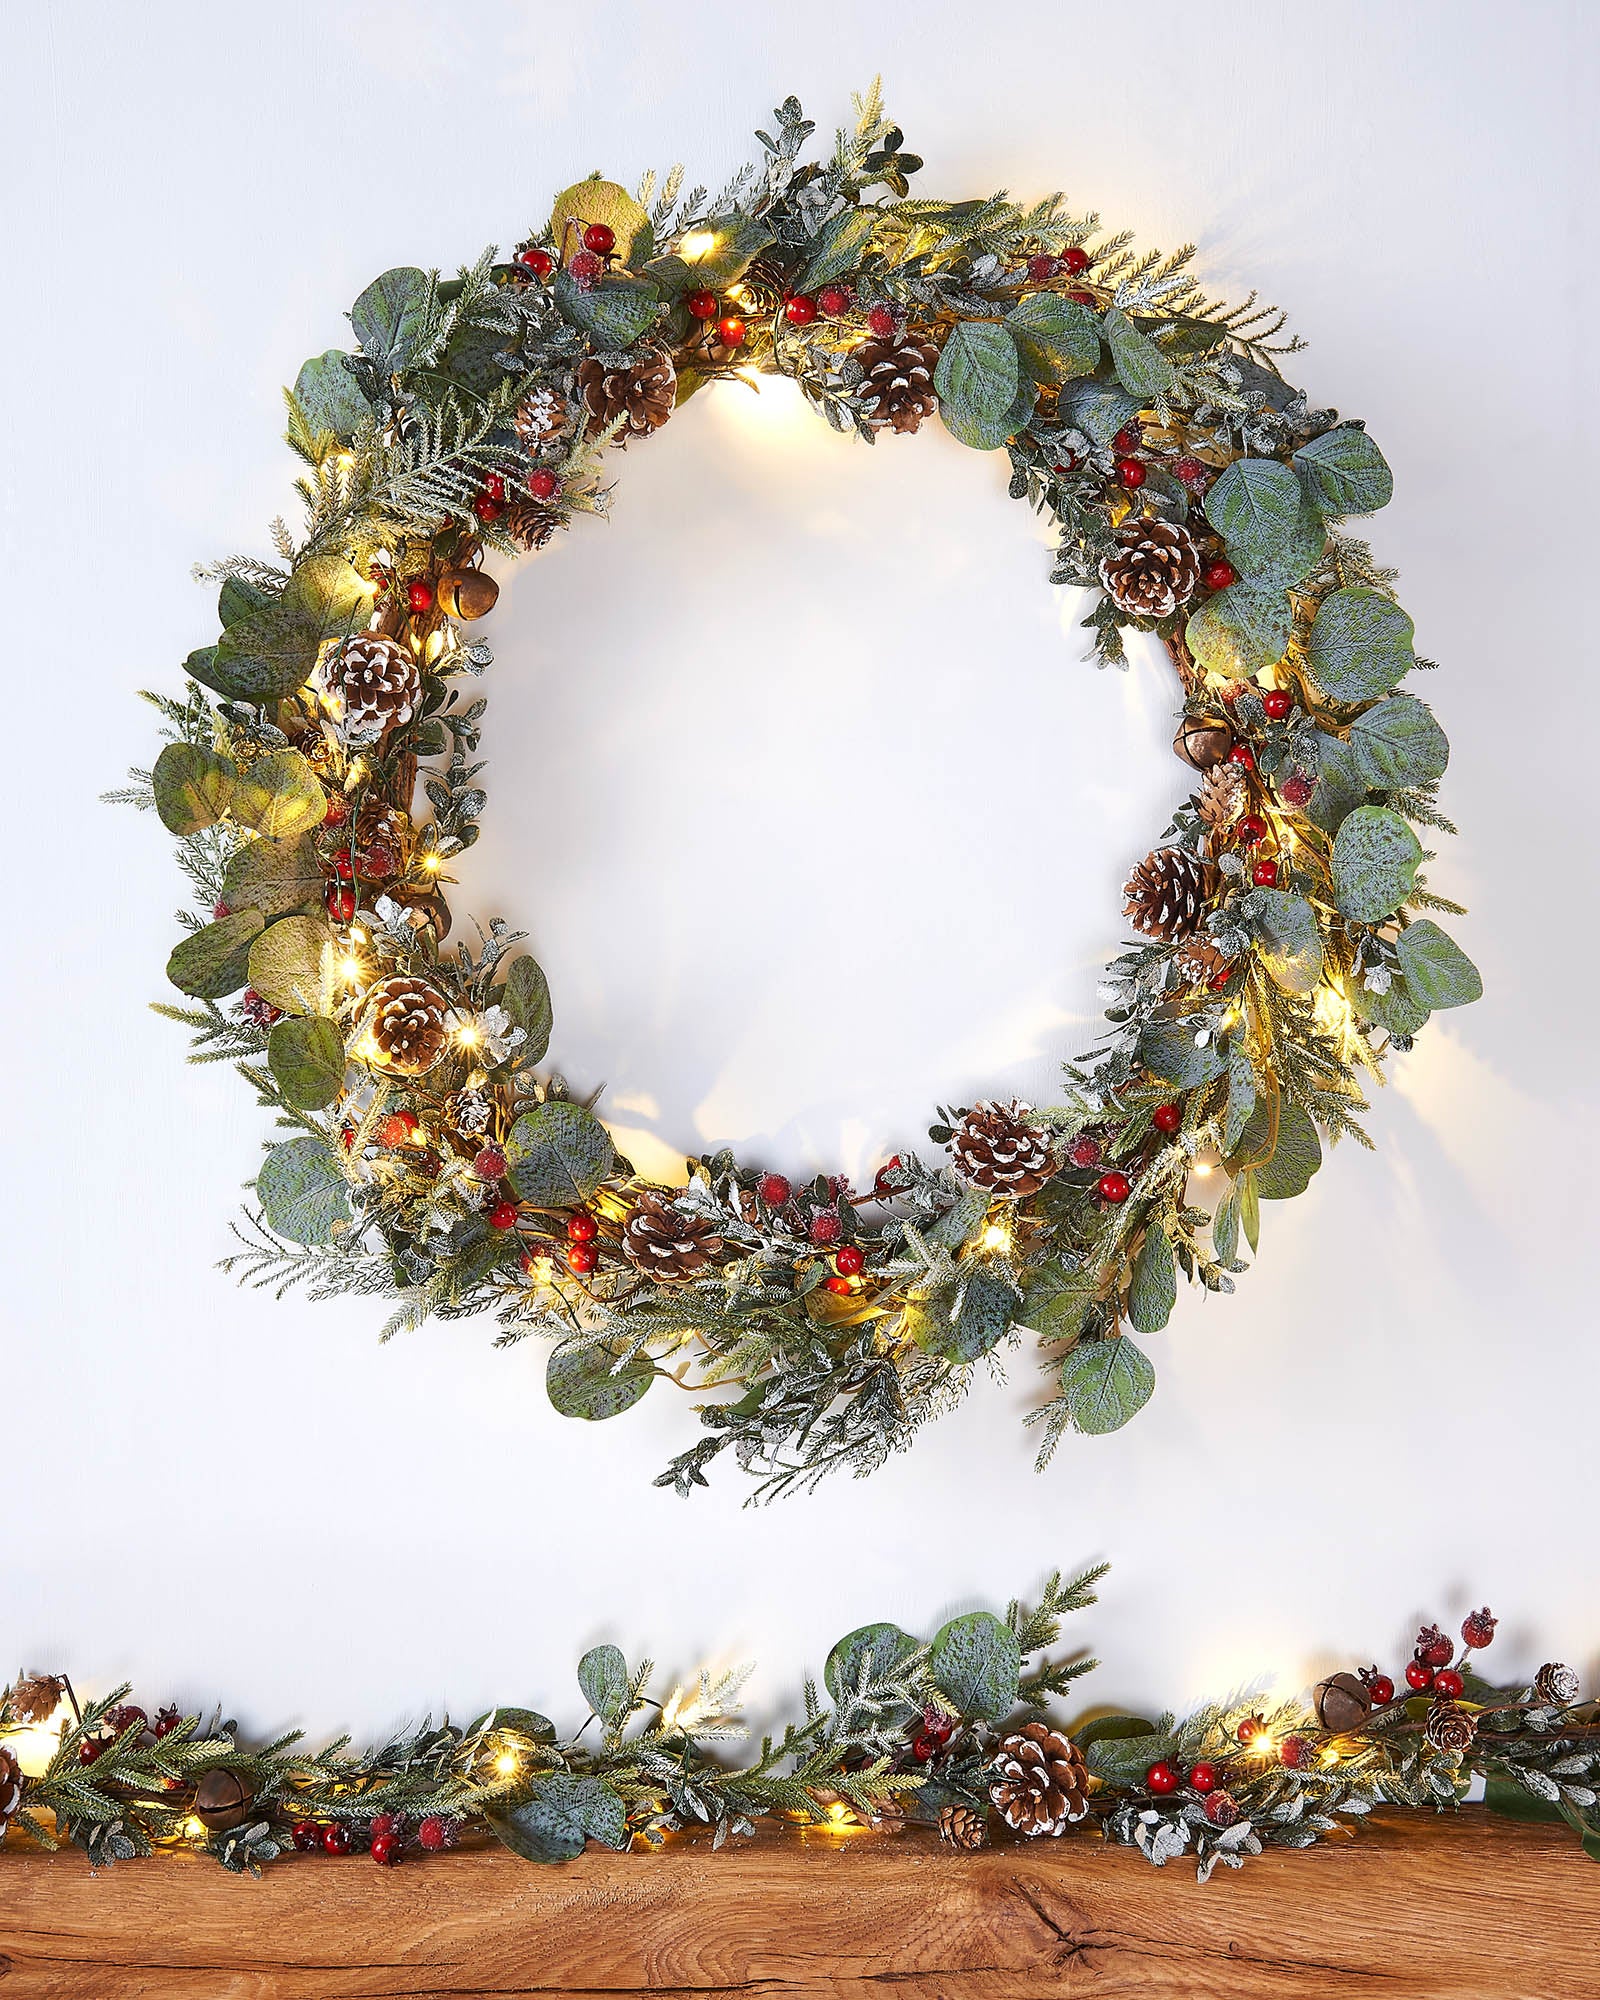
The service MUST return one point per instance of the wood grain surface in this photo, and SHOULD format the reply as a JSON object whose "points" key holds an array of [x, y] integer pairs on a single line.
{"points": [[1441, 1909]]}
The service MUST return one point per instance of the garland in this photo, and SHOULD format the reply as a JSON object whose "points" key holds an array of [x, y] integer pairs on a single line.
{"points": [[322, 774], [955, 1731]]}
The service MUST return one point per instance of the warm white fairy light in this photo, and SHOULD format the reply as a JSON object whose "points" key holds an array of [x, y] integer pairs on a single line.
{"points": [[506, 1764], [997, 1237], [697, 244]]}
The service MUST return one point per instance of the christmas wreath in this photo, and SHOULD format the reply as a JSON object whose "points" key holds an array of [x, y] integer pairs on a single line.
{"points": [[322, 775], [956, 1731]]}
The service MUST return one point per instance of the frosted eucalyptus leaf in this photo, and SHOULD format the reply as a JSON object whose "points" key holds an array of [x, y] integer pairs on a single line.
{"points": [[1096, 409], [1225, 1227], [306, 1057], [1273, 535], [975, 1662], [301, 1191], [280, 796], [214, 961], [1396, 1012], [1056, 1300], [1375, 861], [1057, 337], [870, 1653], [618, 311], [391, 317], [1250, 1209], [603, 1677], [1289, 942], [526, 998], [1345, 473], [1438, 973], [1340, 785], [839, 245], [1238, 631], [563, 1813], [328, 397], [1241, 1097], [583, 1380], [978, 380], [1153, 1291], [262, 658], [286, 963], [1360, 645], [559, 1154], [1397, 743], [193, 787], [1142, 369], [330, 594], [272, 876], [983, 1320], [238, 597], [1294, 1159], [1106, 1383], [1168, 1050]]}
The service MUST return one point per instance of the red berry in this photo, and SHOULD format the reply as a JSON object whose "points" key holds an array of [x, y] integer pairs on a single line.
{"points": [[1041, 269], [1265, 874], [924, 1749], [487, 509], [1113, 1187], [1294, 1752], [89, 1749], [1167, 1117], [494, 485], [396, 1129], [530, 1259], [1125, 441], [1130, 473], [383, 1823], [1251, 828], [344, 867], [306, 1835], [582, 1228], [1478, 1628], [433, 1833], [826, 1227], [538, 261], [703, 305], [1084, 1151], [341, 902], [336, 1839], [543, 484], [1381, 1688], [1242, 755], [1419, 1676], [221, 910], [1161, 1778], [585, 267], [1191, 471], [1249, 1729], [490, 1164], [1202, 1778], [881, 322], [1075, 260], [839, 1285], [773, 1189], [1297, 789], [503, 1215], [1220, 983], [1449, 1683], [386, 1849], [1081, 298], [834, 301], [419, 595], [730, 331], [1219, 575], [582, 1258], [1277, 702], [338, 810], [849, 1260], [601, 240], [801, 310], [940, 1728]]}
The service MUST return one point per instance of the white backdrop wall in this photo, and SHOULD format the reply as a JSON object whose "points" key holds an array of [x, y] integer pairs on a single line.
{"points": [[817, 817]]}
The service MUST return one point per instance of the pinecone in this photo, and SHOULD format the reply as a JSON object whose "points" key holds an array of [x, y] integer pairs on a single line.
{"points": [[1201, 960], [10, 1787], [1153, 568], [897, 386], [34, 1697], [1450, 1727], [667, 1243], [642, 390], [964, 1826], [469, 1111], [408, 1024], [1555, 1685], [1042, 1782], [542, 418], [529, 524], [995, 1147], [1220, 798], [380, 838], [377, 684], [1168, 891]]}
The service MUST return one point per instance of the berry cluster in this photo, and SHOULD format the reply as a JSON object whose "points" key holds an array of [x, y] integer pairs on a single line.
{"points": [[387, 1836]]}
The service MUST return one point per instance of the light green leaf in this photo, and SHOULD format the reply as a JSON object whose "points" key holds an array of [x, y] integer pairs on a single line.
{"points": [[1438, 973], [238, 597], [329, 594], [978, 380], [213, 961], [1375, 861], [286, 963], [1345, 473], [391, 317], [1274, 536], [263, 658], [526, 998], [618, 311], [1288, 940], [328, 397], [193, 787], [1397, 1012], [1295, 1158], [1056, 1300], [1238, 631], [585, 1381], [1360, 645], [559, 1154], [606, 202], [603, 1676], [272, 876], [976, 1662], [301, 1192], [1250, 1208], [563, 1812], [1225, 1227], [962, 1220], [280, 796], [1142, 369], [1057, 337], [1397, 743], [1154, 1290], [1340, 786], [1168, 1050], [839, 246], [1241, 1096], [306, 1056], [1106, 1383]]}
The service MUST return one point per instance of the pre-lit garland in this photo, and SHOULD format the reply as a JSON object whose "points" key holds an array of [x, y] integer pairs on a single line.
{"points": [[954, 1732], [1285, 945]]}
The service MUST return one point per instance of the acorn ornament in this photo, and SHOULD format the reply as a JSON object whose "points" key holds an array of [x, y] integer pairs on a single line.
{"points": [[466, 594]]}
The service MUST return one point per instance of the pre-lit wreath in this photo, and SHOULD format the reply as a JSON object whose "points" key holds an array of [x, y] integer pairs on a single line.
{"points": [[1284, 941]]}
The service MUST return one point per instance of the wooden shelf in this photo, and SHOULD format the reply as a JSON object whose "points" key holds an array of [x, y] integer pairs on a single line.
{"points": [[1455, 1908]]}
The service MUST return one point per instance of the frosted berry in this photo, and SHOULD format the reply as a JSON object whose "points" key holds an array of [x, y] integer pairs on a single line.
{"points": [[1113, 1187], [538, 261], [834, 301], [582, 1258], [1161, 1778], [543, 484], [730, 331], [1041, 269], [1081, 298], [601, 240], [1167, 1117], [849, 1260], [387, 1850], [1419, 1676], [1265, 874], [1433, 1648], [490, 1164], [826, 1227], [881, 322], [1478, 1627], [1297, 789], [773, 1189], [1448, 1683], [1130, 473], [1075, 260], [220, 910], [1219, 575], [419, 595], [306, 1835], [585, 267], [801, 310], [1190, 471], [582, 1228], [1294, 1753], [1125, 441], [1220, 1809], [1242, 755], [503, 1215], [1084, 1150], [1202, 1778], [435, 1832], [383, 1823], [702, 305], [336, 1839], [1277, 702], [344, 867], [396, 1129]]}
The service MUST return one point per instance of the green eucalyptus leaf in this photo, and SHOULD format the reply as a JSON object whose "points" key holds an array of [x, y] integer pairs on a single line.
{"points": [[526, 998], [328, 397], [617, 311], [1238, 631], [238, 598], [1288, 940], [1142, 369], [1360, 646], [978, 380], [585, 1381], [280, 796], [962, 1220], [1106, 1383], [1057, 337], [1294, 1159], [603, 1676], [1345, 473], [533, 1836], [306, 1056], [193, 787], [1123, 1757], [1273, 535], [1396, 1012], [1056, 1300], [329, 594], [872, 1653], [975, 1663], [1225, 1227], [1154, 1289], [272, 876], [562, 1814], [1375, 861], [559, 1154], [1168, 1050], [263, 657], [213, 961], [302, 1192], [1096, 409], [391, 318], [1397, 743], [985, 1317], [286, 963], [839, 246], [1250, 1208], [1506, 1797], [1340, 785], [1438, 973], [1241, 1096]]}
